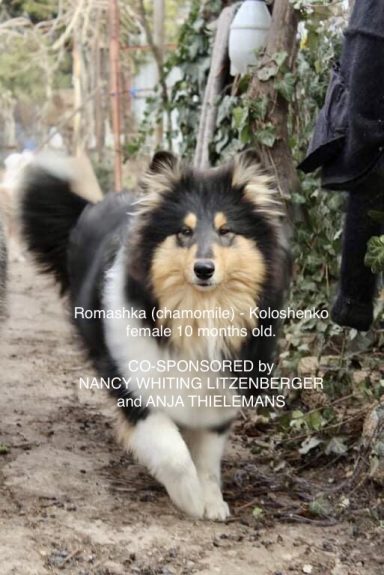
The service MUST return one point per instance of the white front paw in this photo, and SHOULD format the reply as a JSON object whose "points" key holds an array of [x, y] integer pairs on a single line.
{"points": [[187, 495], [216, 509]]}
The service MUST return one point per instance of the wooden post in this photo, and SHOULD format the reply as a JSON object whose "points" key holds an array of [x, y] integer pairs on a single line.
{"points": [[114, 58]]}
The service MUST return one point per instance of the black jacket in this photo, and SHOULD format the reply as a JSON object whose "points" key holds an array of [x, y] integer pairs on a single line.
{"points": [[348, 139]]}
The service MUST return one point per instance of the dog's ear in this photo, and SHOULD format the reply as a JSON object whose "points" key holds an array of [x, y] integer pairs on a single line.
{"points": [[258, 187], [164, 162], [246, 167], [248, 158], [163, 172]]}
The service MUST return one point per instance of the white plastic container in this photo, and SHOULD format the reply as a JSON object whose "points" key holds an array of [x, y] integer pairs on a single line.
{"points": [[248, 33]]}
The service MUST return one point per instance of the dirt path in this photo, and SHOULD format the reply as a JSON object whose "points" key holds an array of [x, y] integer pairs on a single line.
{"points": [[72, 503]]}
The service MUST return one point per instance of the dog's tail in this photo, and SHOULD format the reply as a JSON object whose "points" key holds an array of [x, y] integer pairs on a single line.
{"points": [[50, 208]]}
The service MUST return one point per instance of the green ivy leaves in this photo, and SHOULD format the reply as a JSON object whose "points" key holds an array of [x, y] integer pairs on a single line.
{"points": [[375, 254]]}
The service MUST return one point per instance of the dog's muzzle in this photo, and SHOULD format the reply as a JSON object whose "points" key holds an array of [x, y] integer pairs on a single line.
{"points": [[204, 270]]}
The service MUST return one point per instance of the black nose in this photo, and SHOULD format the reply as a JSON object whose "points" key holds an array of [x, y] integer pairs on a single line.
{"points": [[204, 269]]}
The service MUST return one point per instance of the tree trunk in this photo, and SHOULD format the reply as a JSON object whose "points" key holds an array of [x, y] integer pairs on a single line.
{"points": [[78, 96], [282, 37], [97, 86]]}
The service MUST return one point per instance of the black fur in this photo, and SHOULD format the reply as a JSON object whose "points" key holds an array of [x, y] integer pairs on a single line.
{"points": [[93, 244], [49, 211]]}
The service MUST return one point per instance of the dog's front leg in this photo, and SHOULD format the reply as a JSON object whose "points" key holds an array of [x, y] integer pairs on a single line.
{"points": [[207, 448], [157, 443]]}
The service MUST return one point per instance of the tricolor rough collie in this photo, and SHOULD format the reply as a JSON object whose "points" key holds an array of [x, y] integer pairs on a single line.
{"points": [[161, 286]]}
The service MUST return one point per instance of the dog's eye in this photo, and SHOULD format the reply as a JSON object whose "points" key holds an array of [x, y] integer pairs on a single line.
{"points": [[185, 232], [224, 231]]}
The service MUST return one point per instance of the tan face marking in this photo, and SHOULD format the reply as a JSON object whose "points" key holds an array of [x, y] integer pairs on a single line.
{"points": [[240, 271], [190, 220], [219, 220], [239, 268]]}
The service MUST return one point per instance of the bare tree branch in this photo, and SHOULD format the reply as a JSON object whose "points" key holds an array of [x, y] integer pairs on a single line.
{"points": [[215, 84]]}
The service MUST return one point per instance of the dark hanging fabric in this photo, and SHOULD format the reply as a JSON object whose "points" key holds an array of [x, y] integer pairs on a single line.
{"points": [[348, 144], [353, 306], [348, 138]]}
